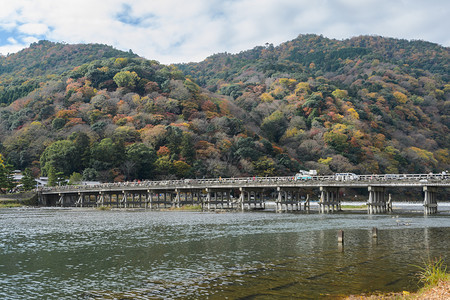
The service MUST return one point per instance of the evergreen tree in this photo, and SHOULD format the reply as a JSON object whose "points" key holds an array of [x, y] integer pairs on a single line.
{"points": [[52, 178], [28, 180], [6, 178]]}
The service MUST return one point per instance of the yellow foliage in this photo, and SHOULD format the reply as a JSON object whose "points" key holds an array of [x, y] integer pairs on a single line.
{"points": [[339, 128], [352, 112], [121, 62], [278, 92], [400, 97], [339, 94], [442, 155], [292, 132], [325, 161], [266, 97], [358, 134], [447, 88], [302, 87], [103, 69], [1, 160], [381, 100], [288, 83], [424, 154], [136, 99]]}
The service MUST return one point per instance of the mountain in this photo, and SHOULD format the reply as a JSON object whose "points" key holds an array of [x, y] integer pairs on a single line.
{"points": [[369, 104], [22, 72], [365, 105]]}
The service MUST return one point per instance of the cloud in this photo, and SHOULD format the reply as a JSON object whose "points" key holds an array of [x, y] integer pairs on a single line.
{"points": [[33, 29], [178, 31]]}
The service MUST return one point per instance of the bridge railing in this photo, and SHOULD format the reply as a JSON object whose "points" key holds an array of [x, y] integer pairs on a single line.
{"points": [[206, 182]]}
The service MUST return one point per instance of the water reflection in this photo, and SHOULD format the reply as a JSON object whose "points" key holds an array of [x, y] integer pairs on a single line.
{"points": [[117, 254]]}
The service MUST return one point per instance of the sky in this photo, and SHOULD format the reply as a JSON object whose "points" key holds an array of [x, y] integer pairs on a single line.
{"points": [[175, 31]]}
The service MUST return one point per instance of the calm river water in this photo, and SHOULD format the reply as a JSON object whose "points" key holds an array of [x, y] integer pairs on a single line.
{"points": [[118, 254]]}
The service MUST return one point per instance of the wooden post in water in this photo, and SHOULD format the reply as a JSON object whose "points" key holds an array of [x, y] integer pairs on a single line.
{"points": [[374, 232], [341, 237]]}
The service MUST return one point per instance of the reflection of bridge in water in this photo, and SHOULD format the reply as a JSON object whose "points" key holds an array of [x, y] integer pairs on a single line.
{"points": [[287, 193]]}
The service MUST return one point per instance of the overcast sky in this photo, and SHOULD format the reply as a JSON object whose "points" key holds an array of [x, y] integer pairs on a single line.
{"points": [[173, 31]]}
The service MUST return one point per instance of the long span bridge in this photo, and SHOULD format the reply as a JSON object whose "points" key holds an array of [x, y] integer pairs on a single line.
{"points": [[288, 193]]}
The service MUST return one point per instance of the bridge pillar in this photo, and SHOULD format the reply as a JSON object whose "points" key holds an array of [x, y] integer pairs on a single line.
{"points": [[329, 199], [100, 199], [80, 200], [430, 200], [124, 199], [177, 198], [278, 201], [241, 198], [377, 201]]}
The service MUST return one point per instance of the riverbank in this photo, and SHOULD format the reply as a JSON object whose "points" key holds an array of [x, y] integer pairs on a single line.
{"points": [[18, 199], [437, 285], [439, 292]]}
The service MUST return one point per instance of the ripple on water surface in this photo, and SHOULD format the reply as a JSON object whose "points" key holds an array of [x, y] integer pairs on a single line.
{"points": [[66, 253]]}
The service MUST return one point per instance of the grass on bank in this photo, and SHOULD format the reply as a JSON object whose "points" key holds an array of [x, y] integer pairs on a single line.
{"points": [[350, 206], [433, 272], [10, 204], [433, 275]]}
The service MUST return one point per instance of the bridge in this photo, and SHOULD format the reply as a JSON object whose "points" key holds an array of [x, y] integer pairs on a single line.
{"points": [[287, 193]]}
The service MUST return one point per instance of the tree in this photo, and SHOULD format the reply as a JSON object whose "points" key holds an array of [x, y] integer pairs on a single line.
{"points": [[82, 145], [62, 155], [28, 180], [274, 126], [75, 178], [6, 177], [143, 158], [126, 79], [181, 168], [106, 154], [52, 177], [187, 148], [264, 166]]}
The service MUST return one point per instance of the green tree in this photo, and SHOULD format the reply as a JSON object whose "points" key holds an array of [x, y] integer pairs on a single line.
{"points": [[274, 126], [82, 144], [62, 155], [181, 168], [187, 148], [6, 177], [143, 158], [75, 178], [163, 165], [106, 154], [52, 177], [28, 180], [264, 166], [126, 79]]}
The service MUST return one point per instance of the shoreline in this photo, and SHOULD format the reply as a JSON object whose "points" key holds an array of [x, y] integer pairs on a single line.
{"points": [[440, 291]]}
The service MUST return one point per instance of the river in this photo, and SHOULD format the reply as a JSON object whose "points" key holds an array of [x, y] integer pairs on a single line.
{"points": [[55, 253]]}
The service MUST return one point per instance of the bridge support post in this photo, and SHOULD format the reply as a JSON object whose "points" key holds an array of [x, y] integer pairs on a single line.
{"points": [[177, 198], [377, 201], [101, 199], [278, 201], [124, 199], [430, 200], [329, 199], [80, 200], [241, 198]]}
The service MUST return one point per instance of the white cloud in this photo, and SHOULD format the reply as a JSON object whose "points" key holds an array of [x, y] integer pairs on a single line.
{"points": [[176, 31], [33, 28]]}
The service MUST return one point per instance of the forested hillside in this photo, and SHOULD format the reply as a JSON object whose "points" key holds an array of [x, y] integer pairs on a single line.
{"points": [[364, 105], [367, 104]]}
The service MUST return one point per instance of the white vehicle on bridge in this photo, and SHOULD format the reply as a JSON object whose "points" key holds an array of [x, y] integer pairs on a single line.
{"points": [[305, 175], [346, 176]]}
